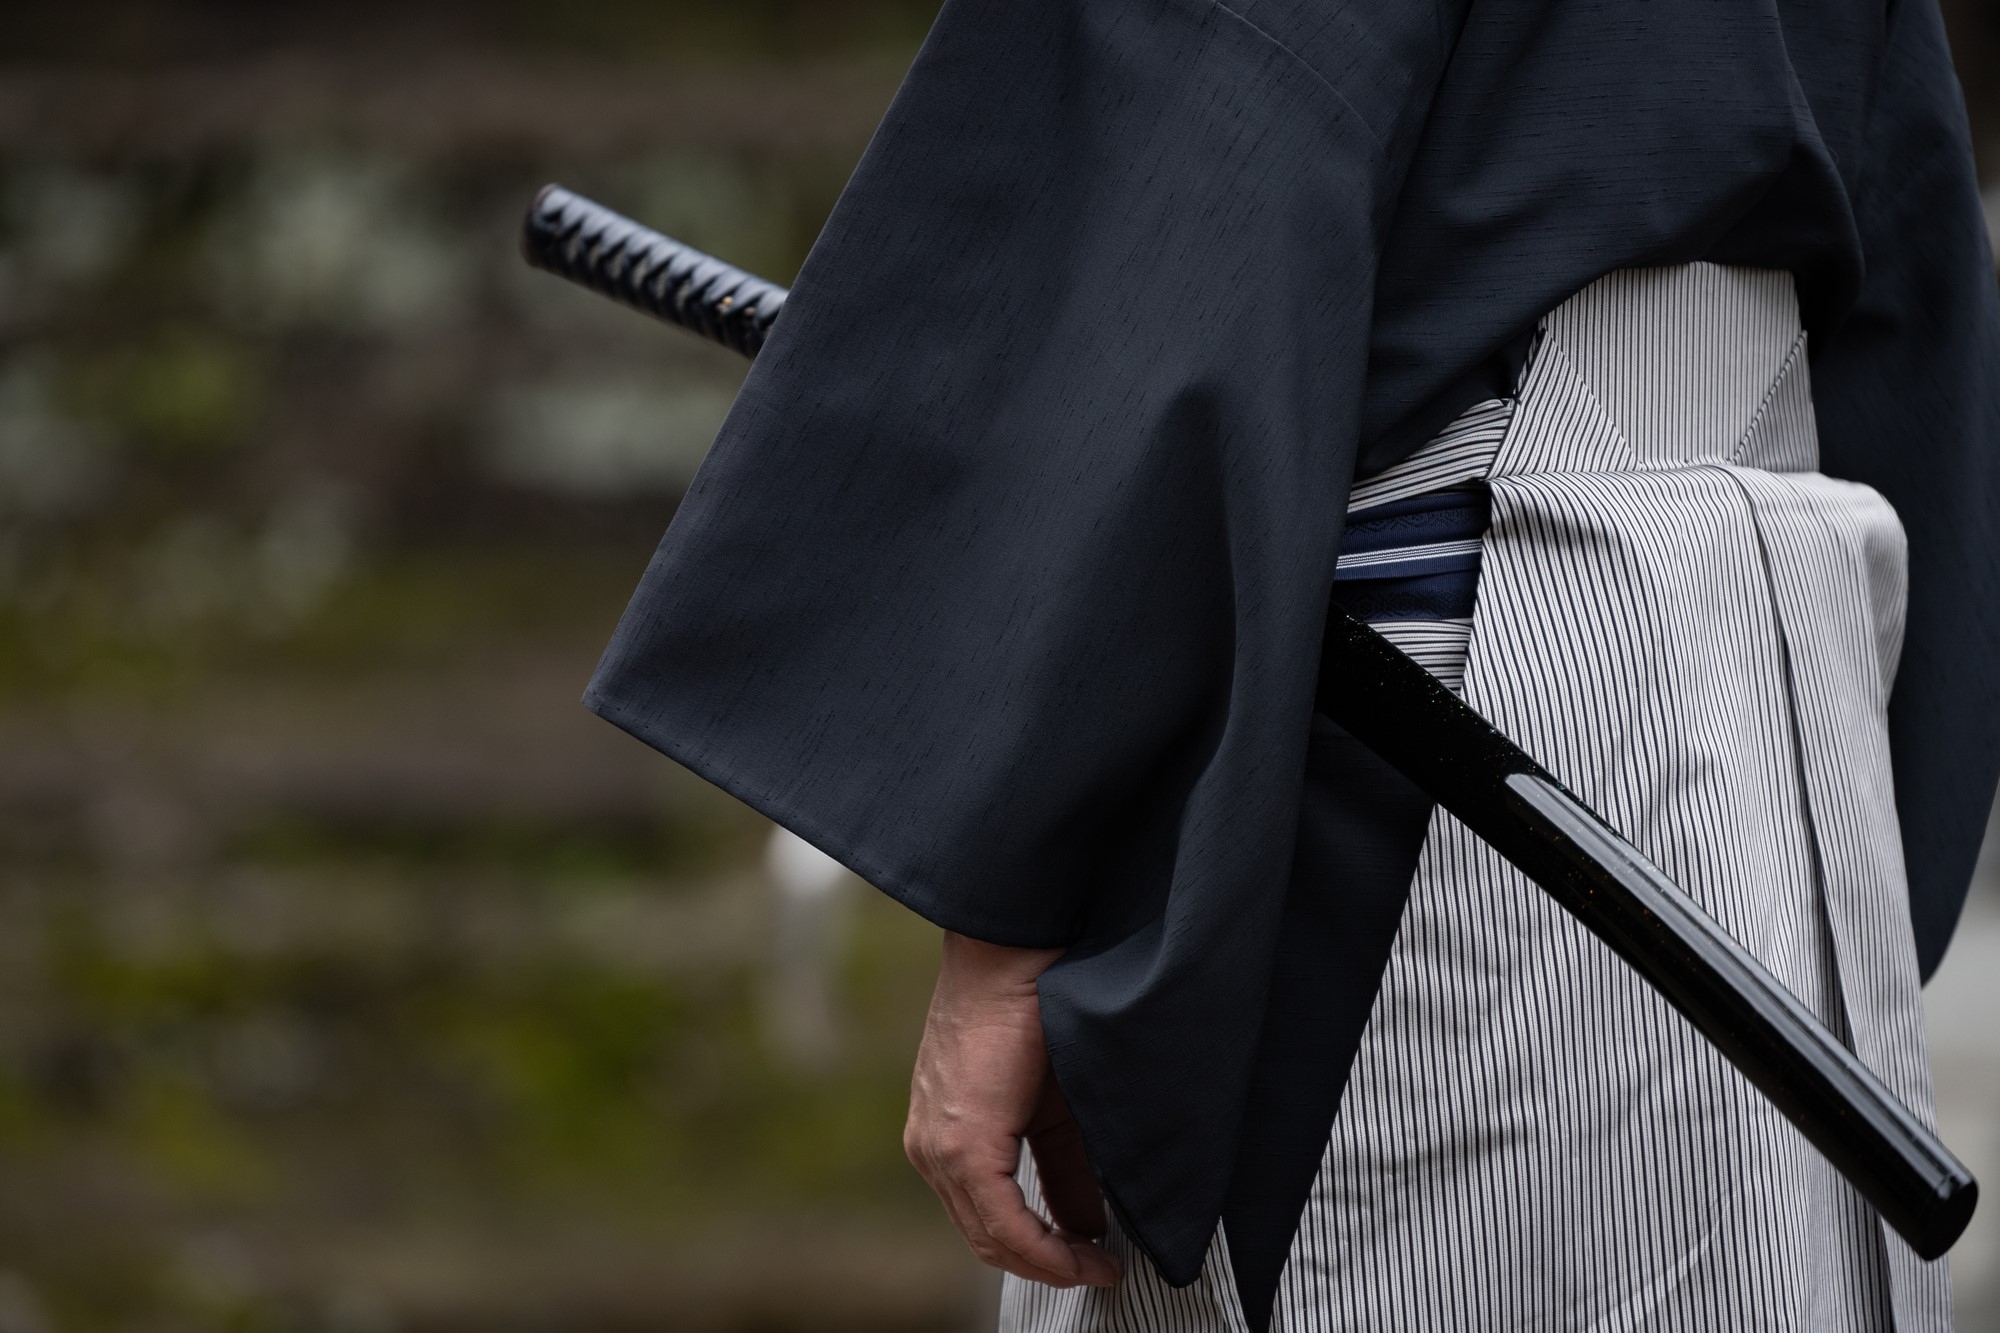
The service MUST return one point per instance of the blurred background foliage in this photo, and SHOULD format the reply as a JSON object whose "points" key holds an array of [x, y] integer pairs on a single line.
{"points": [[351, 977]]}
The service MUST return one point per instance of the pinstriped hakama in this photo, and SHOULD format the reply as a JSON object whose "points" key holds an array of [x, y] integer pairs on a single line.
{"points": [[1697, 632]]}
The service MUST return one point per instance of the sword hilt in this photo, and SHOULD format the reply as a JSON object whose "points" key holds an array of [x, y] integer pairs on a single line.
{"points": [[570, 236]]}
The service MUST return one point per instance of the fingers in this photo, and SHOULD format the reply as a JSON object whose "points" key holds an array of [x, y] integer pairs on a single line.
{"points": [[945, 1172], [1004, 1215], [989, 1211], [1011, 1251]]}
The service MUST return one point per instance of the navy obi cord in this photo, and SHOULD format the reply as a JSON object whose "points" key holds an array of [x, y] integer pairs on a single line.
{"points": [[1414, 559]]}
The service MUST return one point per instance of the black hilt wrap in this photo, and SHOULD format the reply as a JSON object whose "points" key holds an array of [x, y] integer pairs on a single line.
{"points": [[1462, 762], [589, 244]]}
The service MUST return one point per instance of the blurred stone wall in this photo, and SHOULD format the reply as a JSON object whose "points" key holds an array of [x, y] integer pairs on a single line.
{"points": [[351, 976]]}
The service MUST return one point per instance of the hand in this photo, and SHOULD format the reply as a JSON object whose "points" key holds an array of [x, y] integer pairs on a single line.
{"points": [[982, 1085]]}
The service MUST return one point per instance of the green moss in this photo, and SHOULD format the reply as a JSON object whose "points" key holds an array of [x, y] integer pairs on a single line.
{"points": [[184, 393], [192, 1147]]}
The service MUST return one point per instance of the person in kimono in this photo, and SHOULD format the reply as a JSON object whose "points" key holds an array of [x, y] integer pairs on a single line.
{"points": [[1632, 364]]}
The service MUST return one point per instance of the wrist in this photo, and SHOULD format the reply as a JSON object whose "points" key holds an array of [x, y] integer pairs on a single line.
{"points": [[993, 967]]}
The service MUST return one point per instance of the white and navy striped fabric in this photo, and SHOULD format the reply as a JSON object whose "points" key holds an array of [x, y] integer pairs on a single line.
{"points": [[1697, 632], [1415, 537]]}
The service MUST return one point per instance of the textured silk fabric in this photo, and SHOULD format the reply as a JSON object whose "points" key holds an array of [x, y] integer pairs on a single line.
{"points": [[1697, 632], [1005, 581]]}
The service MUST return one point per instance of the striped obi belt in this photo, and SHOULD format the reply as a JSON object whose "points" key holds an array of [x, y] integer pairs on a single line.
{"points": [[1410, 556], [1635, 569]]}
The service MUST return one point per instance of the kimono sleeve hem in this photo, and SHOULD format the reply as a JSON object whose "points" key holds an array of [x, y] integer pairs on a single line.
{"points": [[846, 845]]}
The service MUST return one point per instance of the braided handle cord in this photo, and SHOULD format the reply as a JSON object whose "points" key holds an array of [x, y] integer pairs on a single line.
{"points": [[589, 244]]}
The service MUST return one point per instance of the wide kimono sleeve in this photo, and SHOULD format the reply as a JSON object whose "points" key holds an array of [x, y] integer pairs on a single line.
{"points": [[1907, 392], [1005, 581]]}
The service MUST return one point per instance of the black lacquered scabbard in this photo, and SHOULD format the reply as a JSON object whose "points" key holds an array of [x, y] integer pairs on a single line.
{"points": [[1462, 762], [1494, 788]]}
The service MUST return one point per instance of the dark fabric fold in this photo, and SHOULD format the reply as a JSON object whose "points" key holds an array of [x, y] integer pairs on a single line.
{"points": [[1361, 828], [1907, 391], [1005, 581]]}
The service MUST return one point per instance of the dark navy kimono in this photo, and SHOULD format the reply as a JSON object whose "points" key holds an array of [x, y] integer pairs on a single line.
{"points": [[1005, 581]]}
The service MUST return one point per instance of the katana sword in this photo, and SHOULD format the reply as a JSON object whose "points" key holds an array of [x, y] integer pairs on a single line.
{"points": [[1461, 761]]}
